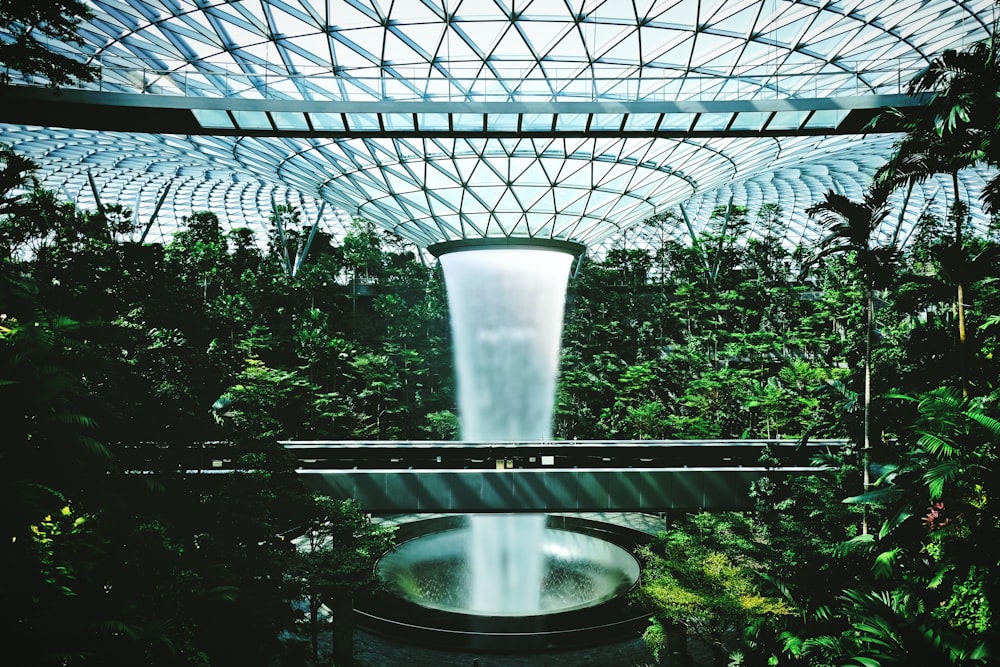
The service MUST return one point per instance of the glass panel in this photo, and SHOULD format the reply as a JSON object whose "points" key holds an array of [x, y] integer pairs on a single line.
{"points": [[252, 120], [363, 121], [327, 121], [538, 122], [398, 121], [642, 121], [502, 122], [787, 120], [713, 121], [432, 121], [606, 121], [468, 122], [750, 120], [212, 118], [572, 122], [827, 118], [289, 120], [677, 121]]}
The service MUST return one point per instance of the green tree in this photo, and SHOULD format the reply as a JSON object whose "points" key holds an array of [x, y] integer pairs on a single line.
{"points": [[33, 27], [363, 251], [956, 130], [851, 225], [337, 555], [199, 251]]}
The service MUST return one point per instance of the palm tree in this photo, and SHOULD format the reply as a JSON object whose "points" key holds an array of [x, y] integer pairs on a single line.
{"points": [[851, 225], [965, 108], [958, 128]]}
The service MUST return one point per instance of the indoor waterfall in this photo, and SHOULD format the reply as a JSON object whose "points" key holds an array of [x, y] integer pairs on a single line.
{"points": [[506, 310]]}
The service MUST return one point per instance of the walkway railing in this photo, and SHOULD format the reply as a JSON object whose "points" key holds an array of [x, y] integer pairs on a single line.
{"points": [[660, 83], [564, 454], [459, 477]]}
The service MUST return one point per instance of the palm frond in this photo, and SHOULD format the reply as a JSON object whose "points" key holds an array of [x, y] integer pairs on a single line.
{"points": [[991, 424], [879, 497], [823, 613], [990, 195], [936, 445], [861, 544], [223, 593], [117, 628], [71, 419], [95, 448], [898, 518], [883, 566], [936, 477]]}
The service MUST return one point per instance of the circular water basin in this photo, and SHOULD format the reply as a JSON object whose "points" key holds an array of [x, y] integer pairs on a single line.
{"points": [[505, 566]]}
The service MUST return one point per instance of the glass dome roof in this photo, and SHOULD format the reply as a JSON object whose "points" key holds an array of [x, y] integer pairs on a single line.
{"points": [[451, 119]]}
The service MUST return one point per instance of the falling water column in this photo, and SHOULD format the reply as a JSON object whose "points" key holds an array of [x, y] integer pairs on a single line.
{"points": [[506, 308], [506, 299]]}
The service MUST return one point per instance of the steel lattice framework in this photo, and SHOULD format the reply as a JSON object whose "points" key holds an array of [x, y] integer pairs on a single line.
{"points": [[452, 119]]}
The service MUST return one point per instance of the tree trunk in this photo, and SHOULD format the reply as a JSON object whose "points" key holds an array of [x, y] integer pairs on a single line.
{"points": [[961, 339], [718, 656], [343, 630], [314, 626], [960, 296], [866, 420]]}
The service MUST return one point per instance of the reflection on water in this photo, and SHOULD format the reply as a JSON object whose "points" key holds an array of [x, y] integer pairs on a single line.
{"points": [[577, 571]]}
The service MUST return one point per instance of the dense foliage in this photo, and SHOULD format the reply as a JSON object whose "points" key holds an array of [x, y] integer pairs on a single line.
{"points": [[118, 354]]}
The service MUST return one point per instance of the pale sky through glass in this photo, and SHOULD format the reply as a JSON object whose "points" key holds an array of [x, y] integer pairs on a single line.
{"points": [[500, 118]]}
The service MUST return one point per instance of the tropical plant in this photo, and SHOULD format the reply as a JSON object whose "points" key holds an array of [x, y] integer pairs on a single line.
{"points": [[33, 27], [851, 225], [336, 560], [935, 582], [702, 578], [958, 128]]}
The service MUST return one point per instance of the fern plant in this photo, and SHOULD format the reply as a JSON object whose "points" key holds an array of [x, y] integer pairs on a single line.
{"points": [[933, 553]]}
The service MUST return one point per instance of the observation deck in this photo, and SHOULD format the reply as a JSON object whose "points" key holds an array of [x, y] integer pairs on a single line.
{"points": [[214, 100]]}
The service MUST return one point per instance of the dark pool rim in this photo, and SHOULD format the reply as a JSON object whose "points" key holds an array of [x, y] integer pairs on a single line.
{"points": [[507, 242], [617, 619]]}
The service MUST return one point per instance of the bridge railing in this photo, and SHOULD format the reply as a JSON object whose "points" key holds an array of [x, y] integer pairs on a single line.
{"points": [[389, 477], [557, 454], [445, 455], [660, 83]]}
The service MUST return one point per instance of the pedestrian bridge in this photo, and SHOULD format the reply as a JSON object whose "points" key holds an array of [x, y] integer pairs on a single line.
{"points": [[174, 111], [567, 476]]}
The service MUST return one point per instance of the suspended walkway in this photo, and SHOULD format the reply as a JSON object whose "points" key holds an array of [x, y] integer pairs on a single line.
{"points": [[567, 476], [399, 477], [481, 117]]}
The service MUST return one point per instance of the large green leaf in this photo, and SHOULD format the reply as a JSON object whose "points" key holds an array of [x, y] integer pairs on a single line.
{"points": [[866, 662], [895, 521], [936, 477], [883, 565], [881, 497]]}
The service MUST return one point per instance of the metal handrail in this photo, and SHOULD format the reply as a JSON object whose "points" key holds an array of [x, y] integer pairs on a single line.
{"points": [[662, 83]]}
